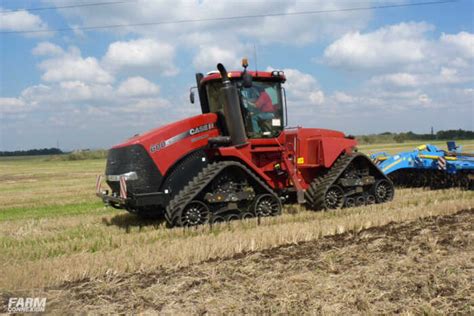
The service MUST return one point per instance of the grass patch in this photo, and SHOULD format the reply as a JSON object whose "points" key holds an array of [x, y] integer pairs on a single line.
{"points": [[80, 155], [16, 213]]}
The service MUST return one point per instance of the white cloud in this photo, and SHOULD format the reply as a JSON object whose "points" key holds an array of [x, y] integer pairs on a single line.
{"points": [[12, 105], [462, 42], [78, 95], [407, 70], [342, 97], [208, 57], [141, 54], [304, 96], [75, 112], [137, 86], [424, 98], [47, 49], [70, 66], [54, 96], [21, 21], [298, 29], [397, 79], [303, 89], [406, 54], [389, 46]]}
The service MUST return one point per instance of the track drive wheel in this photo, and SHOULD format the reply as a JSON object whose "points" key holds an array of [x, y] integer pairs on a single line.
{"points": [[267, 205], [334, 197], [195, 213], [383, 191]]}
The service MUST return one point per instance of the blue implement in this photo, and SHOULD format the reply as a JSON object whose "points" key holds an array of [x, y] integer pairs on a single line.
{"points": [[429, 166]]}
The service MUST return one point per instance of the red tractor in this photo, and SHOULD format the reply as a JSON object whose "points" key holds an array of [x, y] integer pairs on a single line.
{"points": [[237, 159]]}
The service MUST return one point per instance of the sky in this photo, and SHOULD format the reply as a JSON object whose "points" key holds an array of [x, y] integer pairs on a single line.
{"points": [[359, 71]]}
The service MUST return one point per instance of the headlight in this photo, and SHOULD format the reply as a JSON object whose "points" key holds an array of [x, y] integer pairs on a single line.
{"points": [[132, 175]]}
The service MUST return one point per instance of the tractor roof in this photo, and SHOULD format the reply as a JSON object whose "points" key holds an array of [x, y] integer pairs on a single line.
{"points": [[275, 75]]}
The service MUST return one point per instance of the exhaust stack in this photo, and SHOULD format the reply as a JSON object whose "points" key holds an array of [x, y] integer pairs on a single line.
{"points": [[232, 112]]}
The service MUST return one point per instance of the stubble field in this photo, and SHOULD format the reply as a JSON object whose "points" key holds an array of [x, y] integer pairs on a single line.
{"points": [[414, 254]]}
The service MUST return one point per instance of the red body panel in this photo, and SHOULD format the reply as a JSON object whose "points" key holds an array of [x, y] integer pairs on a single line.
{"points": [[321, 147], [237, 74], [300, 152], [169, 143]]}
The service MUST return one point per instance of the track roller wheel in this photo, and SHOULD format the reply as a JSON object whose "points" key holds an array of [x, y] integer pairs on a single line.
{"points": [[267, 205], [383, 191], [370, 199], [231, 217], [360, 200], [350, 202], [334, 197], [246, 215], [195, 213], [217, 219]]}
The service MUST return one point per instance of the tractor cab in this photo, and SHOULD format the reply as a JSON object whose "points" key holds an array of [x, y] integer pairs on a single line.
{"points": [[261, 99]]}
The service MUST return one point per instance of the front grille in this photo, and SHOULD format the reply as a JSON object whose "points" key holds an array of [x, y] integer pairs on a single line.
{"points": [[133, 158]]}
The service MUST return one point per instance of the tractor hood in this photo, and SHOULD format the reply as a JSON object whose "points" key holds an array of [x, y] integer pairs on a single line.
{"points": [[160, 148]]}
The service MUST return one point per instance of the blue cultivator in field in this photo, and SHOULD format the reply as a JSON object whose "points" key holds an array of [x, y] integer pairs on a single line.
{"points": [[429, 166]]}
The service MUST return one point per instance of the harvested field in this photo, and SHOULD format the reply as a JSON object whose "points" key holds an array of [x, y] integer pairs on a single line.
{"points": [[68, 248], [57, 238], [425, 266]]}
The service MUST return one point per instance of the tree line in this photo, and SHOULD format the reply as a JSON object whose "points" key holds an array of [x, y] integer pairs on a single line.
{"points": [[32, 152], [388, 137]]}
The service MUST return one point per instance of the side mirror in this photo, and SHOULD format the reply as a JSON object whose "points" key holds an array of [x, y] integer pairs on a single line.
{"points": [[191, 95], [246, 80]]}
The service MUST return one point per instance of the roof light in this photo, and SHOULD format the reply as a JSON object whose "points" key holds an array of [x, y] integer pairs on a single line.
{"points": [[277, 73]]}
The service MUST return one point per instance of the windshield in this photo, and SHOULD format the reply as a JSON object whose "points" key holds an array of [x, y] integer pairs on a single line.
{"points": [[262, 107]]}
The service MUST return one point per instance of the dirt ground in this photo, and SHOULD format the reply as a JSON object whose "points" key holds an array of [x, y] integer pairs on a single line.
{"points": [[426, 267]]}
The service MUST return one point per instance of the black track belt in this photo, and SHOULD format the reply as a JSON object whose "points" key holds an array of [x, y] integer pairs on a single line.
{"points": [[199, 183], [316, 193]]}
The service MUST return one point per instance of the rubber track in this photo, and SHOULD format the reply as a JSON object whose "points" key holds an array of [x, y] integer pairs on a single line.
{"points": [[195, 186], [317, 191]]}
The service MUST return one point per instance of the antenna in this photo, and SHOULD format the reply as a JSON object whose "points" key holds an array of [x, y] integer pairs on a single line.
{"points": [[255, 56]]}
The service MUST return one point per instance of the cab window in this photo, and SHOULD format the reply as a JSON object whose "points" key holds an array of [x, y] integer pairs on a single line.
{"points": [[263, 110], [261, 105]]}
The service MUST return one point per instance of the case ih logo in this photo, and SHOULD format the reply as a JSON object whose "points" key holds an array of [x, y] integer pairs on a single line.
{"points": [[177, 138], [200, 129]]}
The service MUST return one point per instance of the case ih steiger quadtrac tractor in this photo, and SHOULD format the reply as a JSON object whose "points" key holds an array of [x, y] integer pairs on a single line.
{"points": [[237, 159]]}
